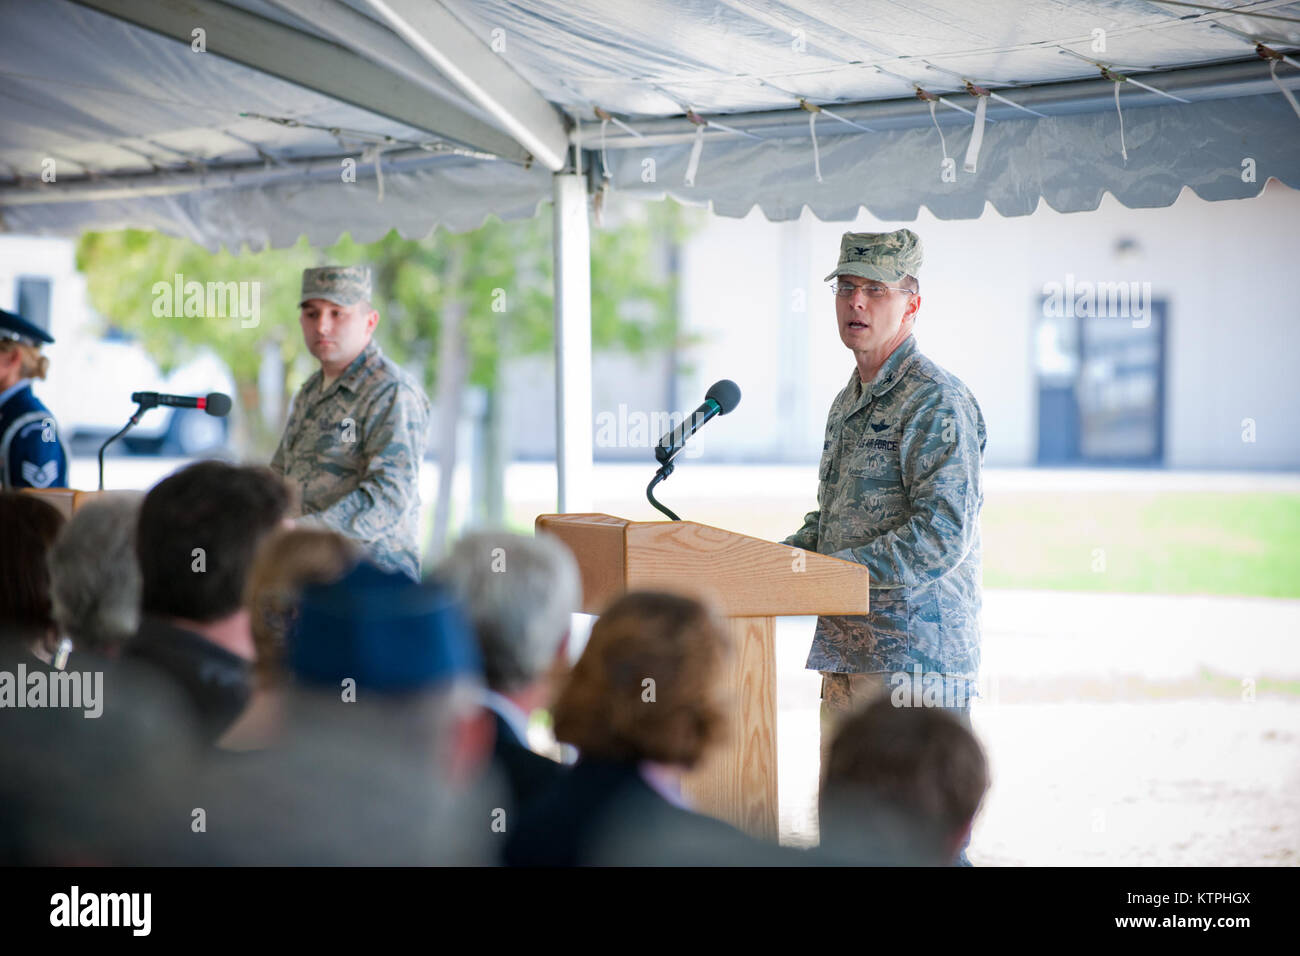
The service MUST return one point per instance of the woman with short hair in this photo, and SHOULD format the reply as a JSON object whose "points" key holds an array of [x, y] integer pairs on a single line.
{"points": [[287, 561], [644, 704]]}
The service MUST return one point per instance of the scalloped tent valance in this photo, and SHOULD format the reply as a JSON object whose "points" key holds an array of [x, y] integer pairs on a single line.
{"points": [[296, 116]]}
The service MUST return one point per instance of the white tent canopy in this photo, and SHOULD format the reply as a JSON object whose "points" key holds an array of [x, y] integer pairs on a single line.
{"points": [[260, 121], [465, 105]]}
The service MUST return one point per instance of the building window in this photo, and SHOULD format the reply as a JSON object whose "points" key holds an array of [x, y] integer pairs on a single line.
{"points": [[1101, 382], [34, 300]]}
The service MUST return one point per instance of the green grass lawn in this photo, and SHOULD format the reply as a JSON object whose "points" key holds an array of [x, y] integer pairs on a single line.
{"points": [[1150, 543], [1156, 543]]}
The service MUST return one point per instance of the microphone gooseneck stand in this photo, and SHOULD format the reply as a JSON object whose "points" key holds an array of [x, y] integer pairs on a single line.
{"points": [[664, 471], [134, 420]]}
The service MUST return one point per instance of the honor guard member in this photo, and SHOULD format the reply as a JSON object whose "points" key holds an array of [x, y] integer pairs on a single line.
{"points": [[357, 427], [31, 455], [899, 491]]}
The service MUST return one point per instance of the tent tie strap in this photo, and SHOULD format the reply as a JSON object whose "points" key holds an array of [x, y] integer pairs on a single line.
{"points": [[1275, 57], [604, 155], [606, 117], [813, 109], [1290, 97], [1118, 79], [1123, 149], [931, 100], [977, 131], [693, 164], [372, 153]]}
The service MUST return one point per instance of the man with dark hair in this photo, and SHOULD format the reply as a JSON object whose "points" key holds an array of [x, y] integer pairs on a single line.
{"points": [[197, 534], [902, 787]]}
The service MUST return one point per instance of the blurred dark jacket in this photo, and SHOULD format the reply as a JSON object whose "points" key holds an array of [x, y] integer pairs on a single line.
{"points": [[348, 784], [527, 774], [80, 789], [857, 830], [603, 813], [217, 683]]}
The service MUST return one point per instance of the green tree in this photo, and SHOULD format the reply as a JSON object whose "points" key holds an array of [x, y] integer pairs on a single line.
{"points": [[490, 289]]}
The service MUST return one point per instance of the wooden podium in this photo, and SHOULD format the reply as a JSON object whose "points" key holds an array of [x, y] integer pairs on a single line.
{"points": [[751, 581], [67, 500]]}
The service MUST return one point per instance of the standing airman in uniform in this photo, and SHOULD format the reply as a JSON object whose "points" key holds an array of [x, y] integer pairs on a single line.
{"points": [[31, 455], [356, 431], [900, 491]]}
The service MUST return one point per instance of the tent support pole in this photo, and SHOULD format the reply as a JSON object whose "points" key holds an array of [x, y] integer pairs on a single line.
{"points": [[573, 418]]}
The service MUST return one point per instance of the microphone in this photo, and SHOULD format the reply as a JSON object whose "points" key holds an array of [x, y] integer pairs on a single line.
{"points": [[214, 403], [721, 398]]}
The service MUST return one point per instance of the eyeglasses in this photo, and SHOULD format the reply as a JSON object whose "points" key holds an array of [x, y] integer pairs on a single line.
{"points": [[845, 290]]}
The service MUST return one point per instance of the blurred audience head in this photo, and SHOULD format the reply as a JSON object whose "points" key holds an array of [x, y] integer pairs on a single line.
{"points": [[287, 562], [914, 771], [376, 654], [94, 575], [380, 755], [95, 792], [648, 685], [520, 593], [209, 517], [28, 529]]}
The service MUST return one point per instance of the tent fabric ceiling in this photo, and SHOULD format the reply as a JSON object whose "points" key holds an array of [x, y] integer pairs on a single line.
{"points": [[145, 132], [110, 98], [652, 57]]}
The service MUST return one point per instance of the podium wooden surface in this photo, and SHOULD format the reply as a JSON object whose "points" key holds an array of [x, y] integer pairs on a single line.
{"points": [[67, 500], [749, 580]]}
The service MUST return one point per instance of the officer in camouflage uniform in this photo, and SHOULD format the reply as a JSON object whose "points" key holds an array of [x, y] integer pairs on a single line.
{"points": [[356, 432], [900, 492]]}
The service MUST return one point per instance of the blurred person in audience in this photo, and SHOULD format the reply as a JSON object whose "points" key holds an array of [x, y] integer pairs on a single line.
{"points": [[99, 786], [903, 785], [94, 575], [88, 765], [384, 744], [28, 529], [198, 531], [643, 705], [520, 594], [287, 561]]}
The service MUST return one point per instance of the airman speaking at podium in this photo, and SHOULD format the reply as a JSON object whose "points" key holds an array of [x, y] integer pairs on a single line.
{"points": [[900, 491]]}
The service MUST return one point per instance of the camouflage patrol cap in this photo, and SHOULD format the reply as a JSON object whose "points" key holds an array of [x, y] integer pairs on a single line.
{"points": [[345, 285], [883, 256]]}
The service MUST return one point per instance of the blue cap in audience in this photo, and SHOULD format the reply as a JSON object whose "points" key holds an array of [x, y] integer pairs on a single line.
{"points": [[384, 631]]}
